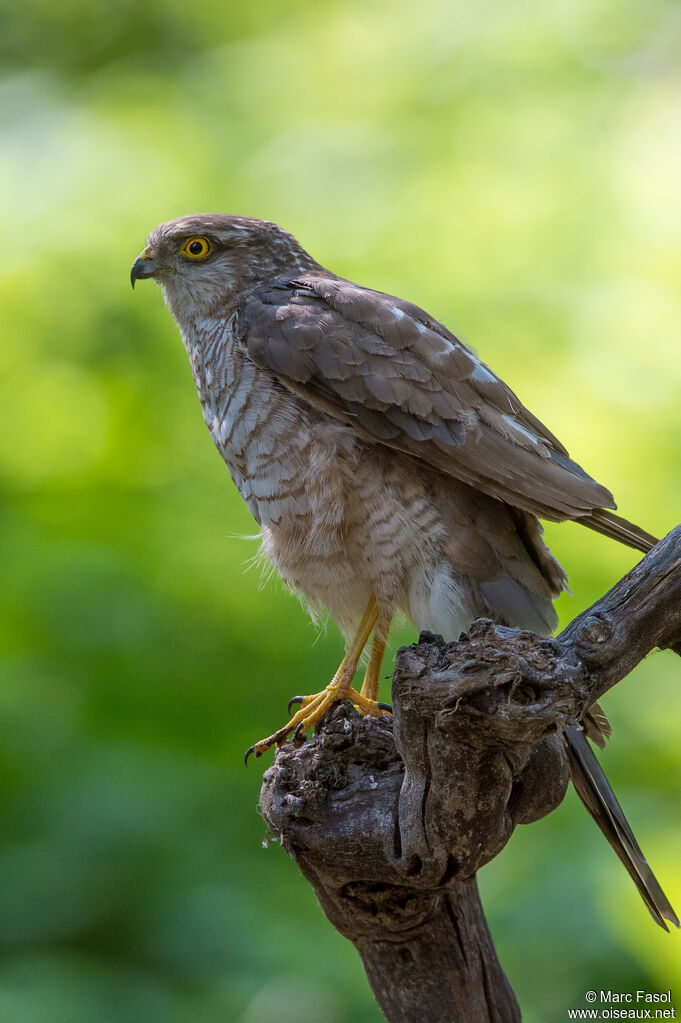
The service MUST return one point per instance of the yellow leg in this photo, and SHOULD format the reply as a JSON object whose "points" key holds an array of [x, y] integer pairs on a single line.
{"points": [[312, 708], [370, 685]]}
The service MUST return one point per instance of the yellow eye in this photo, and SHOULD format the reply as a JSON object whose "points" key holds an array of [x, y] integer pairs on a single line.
{"points": [[197, 247]]}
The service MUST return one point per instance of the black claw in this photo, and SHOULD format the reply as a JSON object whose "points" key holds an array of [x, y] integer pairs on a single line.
{"points": [[251, 749], [298, 730], [293, 701], [385, 706]]}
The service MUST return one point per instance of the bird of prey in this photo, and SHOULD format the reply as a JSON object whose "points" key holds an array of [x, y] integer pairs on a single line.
{"points": [[388, 468]]}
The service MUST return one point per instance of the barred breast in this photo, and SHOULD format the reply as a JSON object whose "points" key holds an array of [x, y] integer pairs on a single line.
{"points": [[262, 437], [340, 518]]}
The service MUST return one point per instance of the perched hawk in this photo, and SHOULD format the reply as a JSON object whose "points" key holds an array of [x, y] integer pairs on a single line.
{"points": [[388, 468]]}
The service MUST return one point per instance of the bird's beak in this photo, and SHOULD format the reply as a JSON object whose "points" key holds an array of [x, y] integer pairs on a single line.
{"points": [[143, 266]]}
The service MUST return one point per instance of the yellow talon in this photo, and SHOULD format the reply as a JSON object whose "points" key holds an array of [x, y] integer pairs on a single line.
{"points": [[313, 707]]}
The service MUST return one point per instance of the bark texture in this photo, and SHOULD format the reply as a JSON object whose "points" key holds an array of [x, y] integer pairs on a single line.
{"points": [[391, 820]]}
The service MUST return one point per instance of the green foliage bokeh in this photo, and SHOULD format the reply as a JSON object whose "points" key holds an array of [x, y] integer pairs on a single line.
{"points": [[513, 167]]}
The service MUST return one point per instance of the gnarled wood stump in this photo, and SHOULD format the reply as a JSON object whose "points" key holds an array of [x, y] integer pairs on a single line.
{"points": [[390, 821]]}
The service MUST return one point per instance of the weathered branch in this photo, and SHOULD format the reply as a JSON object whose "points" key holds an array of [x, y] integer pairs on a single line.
{"points": [[391, 830]]}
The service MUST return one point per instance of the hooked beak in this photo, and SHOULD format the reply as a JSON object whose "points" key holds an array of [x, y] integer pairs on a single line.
{"points": [[143, 267]]}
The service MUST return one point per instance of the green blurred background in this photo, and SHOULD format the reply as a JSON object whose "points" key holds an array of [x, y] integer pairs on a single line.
{"points": [[513, 167]]}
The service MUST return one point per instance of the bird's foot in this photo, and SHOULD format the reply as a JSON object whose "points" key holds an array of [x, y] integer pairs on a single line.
{"points": [[312, 709]]}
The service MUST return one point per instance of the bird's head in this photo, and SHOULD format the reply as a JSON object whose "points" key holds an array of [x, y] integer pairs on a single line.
{"points": [[204, 262]]}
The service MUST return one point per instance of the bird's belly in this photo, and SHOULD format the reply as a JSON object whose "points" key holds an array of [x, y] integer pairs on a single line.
{"points": [[341, 519], [366, 532]]}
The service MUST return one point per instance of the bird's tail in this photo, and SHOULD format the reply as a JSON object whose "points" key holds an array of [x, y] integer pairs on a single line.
{"points": [[593, 788], [617, 528]]}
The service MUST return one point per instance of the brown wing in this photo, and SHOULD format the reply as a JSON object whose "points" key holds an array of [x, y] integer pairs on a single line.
{"points": [[401, 379]]}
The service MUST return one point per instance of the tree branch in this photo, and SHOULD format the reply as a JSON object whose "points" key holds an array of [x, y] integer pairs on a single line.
{"points": [[390, 825]]}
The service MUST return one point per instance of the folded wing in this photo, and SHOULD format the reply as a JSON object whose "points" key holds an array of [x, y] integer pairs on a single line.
{"points": [[401, 379]]}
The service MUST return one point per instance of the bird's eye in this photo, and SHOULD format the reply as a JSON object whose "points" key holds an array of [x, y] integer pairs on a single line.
{"points": [[197, 247]]}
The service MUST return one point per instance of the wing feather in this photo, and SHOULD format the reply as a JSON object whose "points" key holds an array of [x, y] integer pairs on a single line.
{"points": [[400, 378]]}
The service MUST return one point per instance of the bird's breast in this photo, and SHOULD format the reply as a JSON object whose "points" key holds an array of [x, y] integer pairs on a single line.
{"points": [[340, 518], [263, 432]]}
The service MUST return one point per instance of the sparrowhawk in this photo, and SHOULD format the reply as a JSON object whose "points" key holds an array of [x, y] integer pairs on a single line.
{"points": [[389, 469]]}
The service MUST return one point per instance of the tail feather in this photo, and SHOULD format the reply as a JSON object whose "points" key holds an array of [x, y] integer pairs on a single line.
{"points": [[617, 528], [599, 799]]}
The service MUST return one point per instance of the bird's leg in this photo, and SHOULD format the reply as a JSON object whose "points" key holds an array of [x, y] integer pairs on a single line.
{"points": [[369, 688], [312, 708]]}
